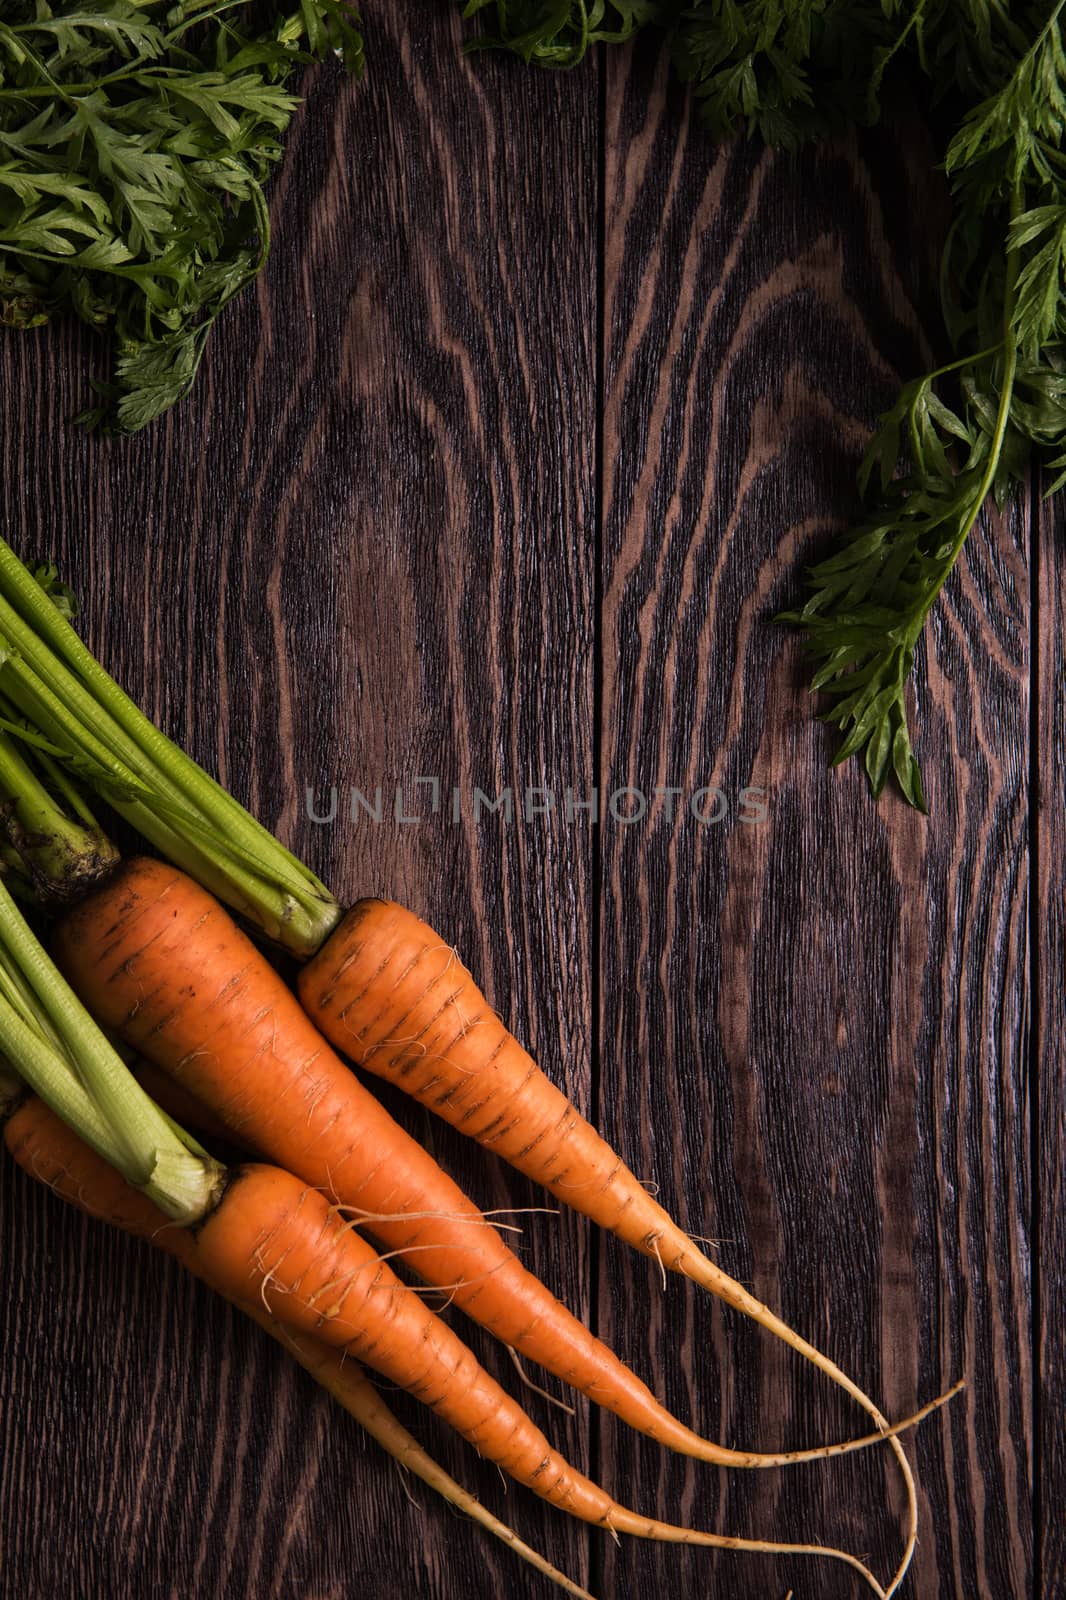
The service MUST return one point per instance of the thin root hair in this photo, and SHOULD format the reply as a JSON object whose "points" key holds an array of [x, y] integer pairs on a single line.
{"points": [[545, 1394]]}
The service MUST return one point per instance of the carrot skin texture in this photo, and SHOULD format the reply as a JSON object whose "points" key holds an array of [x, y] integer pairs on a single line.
{"points": [[324, 1279], [394, 996], [155, 958], [53, 1154], [389, 992], [272, 1238], [158, 960]]}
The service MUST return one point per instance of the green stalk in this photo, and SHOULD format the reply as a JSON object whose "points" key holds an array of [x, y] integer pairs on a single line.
{"points": [[62, 856], [870, 601], [69, 793], [1006, 397], [55, 681], [58, 1049], [177, 832], [49, 1075]]}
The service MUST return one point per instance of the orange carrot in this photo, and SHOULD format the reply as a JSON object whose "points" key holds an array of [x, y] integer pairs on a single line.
{"points": [[158, 960], [396, 998], [51, 1152], [273, 1239]]}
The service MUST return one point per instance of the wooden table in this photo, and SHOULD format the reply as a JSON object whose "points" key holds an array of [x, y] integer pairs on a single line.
{"points": [[498, 478]]}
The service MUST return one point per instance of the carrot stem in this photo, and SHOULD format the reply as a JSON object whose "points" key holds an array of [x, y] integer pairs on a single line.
{"points": [[54, 679], [286, 1272], [61, 853], [77, 1177], [60, 1051]]}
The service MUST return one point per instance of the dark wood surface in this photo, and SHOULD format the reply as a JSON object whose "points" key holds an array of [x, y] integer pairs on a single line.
{"points": [[499, 477], [1049, 1056]]}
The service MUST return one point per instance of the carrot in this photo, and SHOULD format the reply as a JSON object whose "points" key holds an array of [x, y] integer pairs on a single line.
{"points": [[390, 993], [394, 997], [272, 1238], [76, 713], [158, 960], [52, 1153]]}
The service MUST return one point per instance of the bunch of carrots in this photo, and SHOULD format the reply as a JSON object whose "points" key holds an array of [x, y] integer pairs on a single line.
{"points": [[147, 962]]}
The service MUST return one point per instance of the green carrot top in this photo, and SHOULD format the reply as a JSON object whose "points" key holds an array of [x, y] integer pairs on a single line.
{"points": [[70, 712]]}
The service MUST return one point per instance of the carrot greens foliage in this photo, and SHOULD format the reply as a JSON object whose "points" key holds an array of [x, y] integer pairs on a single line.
{"points": [[136, 137], [971, 426], [135, 140], [788, 70]]}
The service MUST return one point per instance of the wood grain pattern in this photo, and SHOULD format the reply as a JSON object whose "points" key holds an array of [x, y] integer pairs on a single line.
{"points": [[827, 1007], [498, 478], [1049, 1054], [346, 560]]}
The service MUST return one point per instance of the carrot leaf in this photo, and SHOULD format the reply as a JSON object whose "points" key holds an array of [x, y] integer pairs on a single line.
{"points": [[1005, 301], [136, 139]]}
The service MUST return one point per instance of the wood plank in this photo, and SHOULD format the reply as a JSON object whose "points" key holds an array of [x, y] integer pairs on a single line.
{"points": [[1049, 1054], [813, 1028], [356, 555]]}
